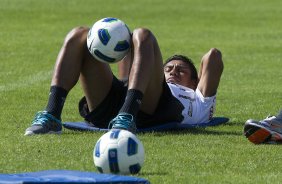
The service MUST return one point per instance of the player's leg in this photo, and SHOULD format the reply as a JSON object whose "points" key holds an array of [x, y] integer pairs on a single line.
{"points": [[124, 67], [210, 72], [147, 69], [96, 80], [72, 61], [145, 80], [268, 130]]}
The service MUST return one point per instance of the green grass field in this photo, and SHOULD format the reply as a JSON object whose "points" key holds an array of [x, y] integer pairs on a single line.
{"points": [[249, 34]]}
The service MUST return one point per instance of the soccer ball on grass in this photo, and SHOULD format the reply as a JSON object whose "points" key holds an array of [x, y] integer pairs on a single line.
{"points": [[109, 40], [119, 152]]}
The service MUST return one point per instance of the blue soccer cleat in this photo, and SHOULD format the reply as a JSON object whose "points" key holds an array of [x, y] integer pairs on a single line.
{"points": [[44, 123], [123, 121]]}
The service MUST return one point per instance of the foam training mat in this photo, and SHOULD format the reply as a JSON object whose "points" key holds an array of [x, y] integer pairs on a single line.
{"points": [[68, 176], [84, 126]]}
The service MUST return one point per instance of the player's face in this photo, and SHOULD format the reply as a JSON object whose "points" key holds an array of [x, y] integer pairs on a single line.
{"points": [[179, 72]]}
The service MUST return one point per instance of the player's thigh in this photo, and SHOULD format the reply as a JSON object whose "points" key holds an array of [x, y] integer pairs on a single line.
{"points": [[96, 80], [155, 87]]}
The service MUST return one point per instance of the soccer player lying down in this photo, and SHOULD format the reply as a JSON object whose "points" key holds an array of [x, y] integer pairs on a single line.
{"points": [[155, 93]]}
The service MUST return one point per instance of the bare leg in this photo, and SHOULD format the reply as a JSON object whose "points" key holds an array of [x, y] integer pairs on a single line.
{"points": [[145, 80], [124, 67], [69, 60], [74, 61], [146, 73], [210, 72]]}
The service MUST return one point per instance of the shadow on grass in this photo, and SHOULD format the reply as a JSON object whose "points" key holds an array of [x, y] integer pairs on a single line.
{"points": [[239, 124], [196, 131], [212, 130]]}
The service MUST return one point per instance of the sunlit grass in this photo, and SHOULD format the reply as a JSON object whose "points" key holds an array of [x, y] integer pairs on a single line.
{"points": [[247, 32]]}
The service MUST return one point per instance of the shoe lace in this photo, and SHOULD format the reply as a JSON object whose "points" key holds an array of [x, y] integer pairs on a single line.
{"points": [[269, 118], [42, 118], [124, 120], [273, 123]]}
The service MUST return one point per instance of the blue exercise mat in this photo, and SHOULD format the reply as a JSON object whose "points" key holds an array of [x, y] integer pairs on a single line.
{"points": [[83, 126], [68, 176]]}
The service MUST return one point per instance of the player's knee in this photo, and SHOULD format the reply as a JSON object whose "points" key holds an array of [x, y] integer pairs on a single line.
{"points": [[215, 54], [142, 35], [76, 35]]}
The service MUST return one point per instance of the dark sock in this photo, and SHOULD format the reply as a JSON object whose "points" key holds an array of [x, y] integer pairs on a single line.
{"points": [[57, 97], [132, 102]]}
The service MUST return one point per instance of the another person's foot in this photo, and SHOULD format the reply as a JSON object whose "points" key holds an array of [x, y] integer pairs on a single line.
{"points": [[44, 123], [266, 131], [123, 121]]}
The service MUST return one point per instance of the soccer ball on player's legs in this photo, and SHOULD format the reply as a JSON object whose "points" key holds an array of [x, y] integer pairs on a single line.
{"points": [[109, 40], [119, 152]]}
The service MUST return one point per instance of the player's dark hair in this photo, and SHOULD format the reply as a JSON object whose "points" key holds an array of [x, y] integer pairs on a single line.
{"points": [[185, 59]]}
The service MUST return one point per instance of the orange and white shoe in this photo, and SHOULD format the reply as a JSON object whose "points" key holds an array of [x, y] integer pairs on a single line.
{"points": [[267, 131]]}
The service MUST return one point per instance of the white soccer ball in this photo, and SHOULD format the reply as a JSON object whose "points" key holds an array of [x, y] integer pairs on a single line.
{"points": [[109, 40], [119, 152]]}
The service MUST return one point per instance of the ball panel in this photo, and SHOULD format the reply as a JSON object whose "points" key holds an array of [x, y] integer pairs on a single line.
{"points": [[134, 169], [132, 147], [97, 149], [102, 57], [104, 36], [114, 134], [121, 46], [110, 19], [100, 169], [113, 160]]}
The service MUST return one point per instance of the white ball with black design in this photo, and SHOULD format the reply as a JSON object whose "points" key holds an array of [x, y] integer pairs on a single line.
{"points": [[109, 40], [119, 152]]}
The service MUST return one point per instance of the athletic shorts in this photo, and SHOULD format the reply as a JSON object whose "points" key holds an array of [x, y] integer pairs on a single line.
{"points": [[168, 110]]}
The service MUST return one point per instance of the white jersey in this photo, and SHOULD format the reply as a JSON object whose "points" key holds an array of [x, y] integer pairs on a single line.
{"points": [[197, 108]]}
